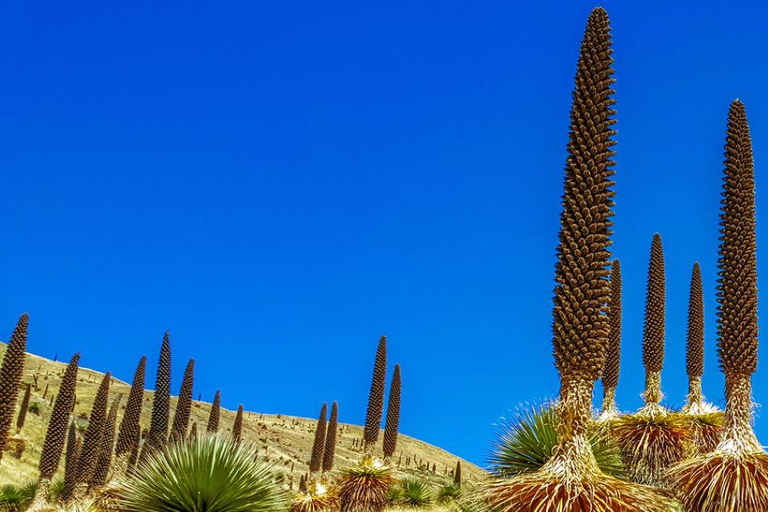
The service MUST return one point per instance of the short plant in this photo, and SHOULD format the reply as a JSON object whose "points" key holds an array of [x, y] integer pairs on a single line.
{"points": [[208, 473], [15, 498]]}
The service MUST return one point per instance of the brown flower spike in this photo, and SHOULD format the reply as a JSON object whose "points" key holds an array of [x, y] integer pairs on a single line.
{"points": [[11, 372], [571, 479], [376, 396], [130, 428], [329, 451], [694, 356], [318, 446], [89, 454], [161, 403], [612, 367], [215, 414], [184, 403], [655, 301], [393, 415], [104, 461], [237, 428], [57, 425]]}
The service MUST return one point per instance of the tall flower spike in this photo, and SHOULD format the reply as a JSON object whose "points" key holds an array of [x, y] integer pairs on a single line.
{"points": [[318, 446], [610, 376], [376, 396], [393, 415], [329, 452], [89, 454], [653, 329], [104, 461], [237, 427], [56, 433], [70, 463], [130, 427], [213, 417], [184, 404], [571, 479], [735, 475], [694, 356], [161, 403], [11, 372], [23, 408]]}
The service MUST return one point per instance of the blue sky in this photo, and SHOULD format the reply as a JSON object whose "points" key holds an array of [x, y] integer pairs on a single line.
{"points": [[281, 183]]}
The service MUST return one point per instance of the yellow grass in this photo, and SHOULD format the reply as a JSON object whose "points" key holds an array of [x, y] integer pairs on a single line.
{"points": [[285, 441]]}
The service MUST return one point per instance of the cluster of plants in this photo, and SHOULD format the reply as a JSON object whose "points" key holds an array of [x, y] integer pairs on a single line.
{"points": [[562, 456]]}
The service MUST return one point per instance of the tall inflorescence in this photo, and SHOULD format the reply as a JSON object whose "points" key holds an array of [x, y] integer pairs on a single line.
{"points": [[737, 283], [376, 396], [57, 425], [11, 372], [161, 403], [237, 427], [70, 463], [610, 377], [89, 454], [457, 473], [23, 408], [318, 446], [694, 356], [582, 292], [329, 452], [104, 460], [213, 417], [130, 427], [393, 415], [184, 404], [653, 329]]}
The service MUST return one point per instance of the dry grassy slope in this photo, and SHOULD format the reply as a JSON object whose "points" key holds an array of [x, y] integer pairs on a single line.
{"points": [[285, 440]]}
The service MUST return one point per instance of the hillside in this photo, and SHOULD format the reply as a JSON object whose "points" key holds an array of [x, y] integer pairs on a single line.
{"points": [[285, 441]]}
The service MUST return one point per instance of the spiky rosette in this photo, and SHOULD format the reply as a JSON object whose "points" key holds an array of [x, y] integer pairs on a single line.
{"points": [[706, 431], [376, 396], [318, 446], [11, 372], [184, 403], [535, 492], [329, 452], [130, 425], [650, 444], [610, 376], [161, 402], [722, 482], [215, 414], [364, 487], [393, 414], [317, 498]]}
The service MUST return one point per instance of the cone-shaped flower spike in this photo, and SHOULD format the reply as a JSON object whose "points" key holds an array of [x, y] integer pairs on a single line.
{"points": [[735, 475], [571, 479], [610, 376], [11, 372], [161, 403], [184, 404], [393, 415], [330, 438], [318, 446], [376, 397]]}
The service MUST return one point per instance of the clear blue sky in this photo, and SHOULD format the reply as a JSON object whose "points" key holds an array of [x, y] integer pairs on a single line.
{"points": [[280, 183]]}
